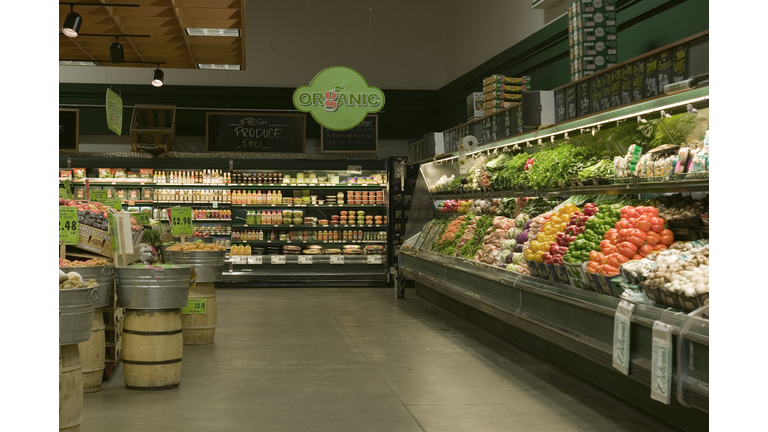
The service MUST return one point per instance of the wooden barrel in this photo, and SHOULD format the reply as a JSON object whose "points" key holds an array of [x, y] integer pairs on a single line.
{"points": [[70, 389], [199, 324], [152, 349], [92, 355]]}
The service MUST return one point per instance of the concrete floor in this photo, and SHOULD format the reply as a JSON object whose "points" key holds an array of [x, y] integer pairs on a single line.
{"points": [[356, 360]]}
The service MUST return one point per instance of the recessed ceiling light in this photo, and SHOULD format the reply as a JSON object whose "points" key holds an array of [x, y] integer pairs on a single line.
{"points": [[219, 66], [212, 32], [76, 63]]}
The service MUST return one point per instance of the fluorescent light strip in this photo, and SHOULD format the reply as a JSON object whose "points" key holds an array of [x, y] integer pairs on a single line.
{"points": [[192, 31], [589, 126], [218, 67], [76, 63]]}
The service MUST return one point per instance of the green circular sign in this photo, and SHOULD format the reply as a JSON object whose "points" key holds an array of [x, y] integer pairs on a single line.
{"points": [[338, 98]]}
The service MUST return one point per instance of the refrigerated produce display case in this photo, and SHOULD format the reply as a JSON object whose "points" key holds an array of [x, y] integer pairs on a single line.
{"points": [[551, 236]]}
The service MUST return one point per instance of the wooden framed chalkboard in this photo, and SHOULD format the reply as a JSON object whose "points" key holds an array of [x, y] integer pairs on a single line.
{"points": [[69, 129], [255, 132], [363, 138]]}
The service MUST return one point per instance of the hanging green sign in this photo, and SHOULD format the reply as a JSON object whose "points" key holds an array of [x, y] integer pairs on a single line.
{"points": [[181, 221], [338, 98], [141, 217], [115, 203], [97, 195], [68, 226], [194, 307], [114, 112]]}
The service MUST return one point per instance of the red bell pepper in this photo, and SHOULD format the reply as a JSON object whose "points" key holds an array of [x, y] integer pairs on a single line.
{"points": [[660, 247], [646, 249], [652, 238], [651, 212], [627, 249], [667, 237], [609, 270], [622, 258], [637, 257], [637, 237], [612, 261]]}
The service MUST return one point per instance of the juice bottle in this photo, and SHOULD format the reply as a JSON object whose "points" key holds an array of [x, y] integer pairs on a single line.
{"points": [[269, 197], [279, 199], [258, 219], [258, 198], [247, 250]]}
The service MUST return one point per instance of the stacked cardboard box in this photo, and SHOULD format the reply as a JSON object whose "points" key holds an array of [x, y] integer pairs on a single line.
{"points": [[501, 92], [591, 36]]}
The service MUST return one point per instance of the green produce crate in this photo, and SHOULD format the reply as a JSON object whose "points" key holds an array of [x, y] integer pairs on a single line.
{"points": [[532, 268], [544, 272], [561, 274]]}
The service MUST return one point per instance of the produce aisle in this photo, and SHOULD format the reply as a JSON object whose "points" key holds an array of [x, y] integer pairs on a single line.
{"points": [[348, 359]]}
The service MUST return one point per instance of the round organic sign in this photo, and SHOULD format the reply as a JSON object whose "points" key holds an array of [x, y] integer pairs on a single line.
{"points": [[338, 98]]}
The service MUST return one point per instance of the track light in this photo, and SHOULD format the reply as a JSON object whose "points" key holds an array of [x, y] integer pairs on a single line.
{"points": [[157, 77], [72, 23], [116, 54]]}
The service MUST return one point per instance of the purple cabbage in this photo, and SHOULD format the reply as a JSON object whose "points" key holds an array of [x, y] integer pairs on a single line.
{"points": [[527, 225], [519, 248], [522, 237]]}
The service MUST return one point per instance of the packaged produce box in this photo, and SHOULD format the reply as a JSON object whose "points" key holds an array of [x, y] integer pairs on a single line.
{"points": [[597, 62], [475, 105], [501, 79], [506, 88], [501, 96], [95, 240], [598, 48]]}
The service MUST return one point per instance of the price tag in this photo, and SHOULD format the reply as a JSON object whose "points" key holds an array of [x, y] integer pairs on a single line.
{"points": [[577, 275], [181, 221], [277, 259], [98, 195], [305, 259], [661, 363], [215, 204], [68, 226], [237, 259], [374, 259], [255, 259], [194, 307], [142, 217], [621, 326], [114, 203], [337, 259]]}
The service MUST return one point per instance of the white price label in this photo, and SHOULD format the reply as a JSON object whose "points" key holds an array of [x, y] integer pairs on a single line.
{"points": [[215, 204], [621, 331], [661, 363], [374, 259], [255, 259], [305, 259], [337, 259], [278, 259], [238, 259]]}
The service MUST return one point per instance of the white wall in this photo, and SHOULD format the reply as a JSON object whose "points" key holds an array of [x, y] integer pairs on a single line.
{"points": [[122, 143], [422, 44]]}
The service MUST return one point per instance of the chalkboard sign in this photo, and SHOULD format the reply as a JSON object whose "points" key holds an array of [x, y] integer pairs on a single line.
{"points": [[638, 80], [680, 63], [665, 69], [626, 83], [362, 138], [616, 80], [560, 106], [69, 129], [255, 132], [571, 102], [596, 92], [651, 87], [583, 98]]}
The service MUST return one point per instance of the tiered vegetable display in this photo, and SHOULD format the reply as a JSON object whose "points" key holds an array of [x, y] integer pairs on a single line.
{"points": [[602, 219], [453, 232]]}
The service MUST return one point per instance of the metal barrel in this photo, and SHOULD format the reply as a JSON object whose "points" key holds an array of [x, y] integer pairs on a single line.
{"points": [[153, 288], [77, 306], [103, 276], [209, 265]]}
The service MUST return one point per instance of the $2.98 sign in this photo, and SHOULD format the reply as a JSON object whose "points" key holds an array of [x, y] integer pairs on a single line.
{"points": [[181, 221], [69, 232]]}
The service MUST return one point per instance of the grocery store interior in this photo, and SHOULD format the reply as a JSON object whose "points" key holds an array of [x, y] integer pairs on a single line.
{"points": [[435, 216]]}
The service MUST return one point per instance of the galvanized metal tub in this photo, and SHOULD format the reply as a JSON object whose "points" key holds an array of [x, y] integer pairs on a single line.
{"points": [[76, 306], [103, 276], [153, 288], [209, 265]]}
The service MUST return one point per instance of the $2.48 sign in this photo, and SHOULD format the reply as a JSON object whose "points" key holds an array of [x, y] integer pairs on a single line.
{"points": [[181, 221], [69, 232]]}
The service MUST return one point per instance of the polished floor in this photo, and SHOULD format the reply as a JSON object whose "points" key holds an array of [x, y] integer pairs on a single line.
{"points": [[355, 360]]}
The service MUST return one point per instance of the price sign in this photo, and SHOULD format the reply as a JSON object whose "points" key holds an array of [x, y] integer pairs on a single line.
{"points": [[63, 193], [238, 259], [277, 259], [215, 204], [374, 259], [98, 195], [181, 221], [621, 331], [305, 259], [68, 226], [141, 217], [337, 259], [255, 259], [114, 203], [194, 307]]}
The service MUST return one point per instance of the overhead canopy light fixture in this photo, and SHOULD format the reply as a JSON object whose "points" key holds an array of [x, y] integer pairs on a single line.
{"points": [[218, 66], [72, 23], [76, 63], [157, 77], [116, 54], [191, 31]]}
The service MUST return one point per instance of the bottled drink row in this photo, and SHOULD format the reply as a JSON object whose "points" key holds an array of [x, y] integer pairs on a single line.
{"points": [[192, 195], [209, 176], [197, 214], [307, 235]]}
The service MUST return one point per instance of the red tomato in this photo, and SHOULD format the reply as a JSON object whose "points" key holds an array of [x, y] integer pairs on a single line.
{"points": [[660, 247], [657, 228]]}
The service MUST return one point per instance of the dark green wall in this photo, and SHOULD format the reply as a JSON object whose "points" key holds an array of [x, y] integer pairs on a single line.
{"points": [[644, 26]]}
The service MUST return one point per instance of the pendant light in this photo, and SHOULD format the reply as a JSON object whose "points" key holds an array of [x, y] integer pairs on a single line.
{"points": [[72, 23], [157, 77], [116, 54]]}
